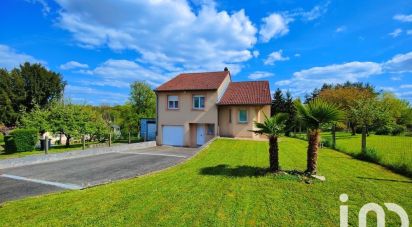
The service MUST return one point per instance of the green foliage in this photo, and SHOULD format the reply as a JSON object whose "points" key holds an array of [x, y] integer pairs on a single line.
{"points": [[25, 87], [21, 140], [278, 103], [272, 126], [318, 112], [36, 119], [143, 99]]}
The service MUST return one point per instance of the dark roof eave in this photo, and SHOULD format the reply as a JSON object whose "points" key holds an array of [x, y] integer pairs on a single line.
{"points": [[243, 104], [174, 90]]}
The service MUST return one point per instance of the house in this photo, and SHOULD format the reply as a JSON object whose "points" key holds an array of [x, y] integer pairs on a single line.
{"points": [[192, 108]]}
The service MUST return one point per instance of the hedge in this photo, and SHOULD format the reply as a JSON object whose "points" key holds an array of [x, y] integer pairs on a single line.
{"points": [[21, 140]]}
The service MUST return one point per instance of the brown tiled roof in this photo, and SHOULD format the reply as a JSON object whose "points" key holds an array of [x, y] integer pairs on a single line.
{"points": [[247, 93], [194, 81]]}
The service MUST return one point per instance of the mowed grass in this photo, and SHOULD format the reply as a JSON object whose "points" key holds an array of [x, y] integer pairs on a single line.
{"points": [[224, 185], [392, 151]]}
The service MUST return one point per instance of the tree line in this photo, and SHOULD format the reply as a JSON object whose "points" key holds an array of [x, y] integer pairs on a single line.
{"points": [[32, 96]]}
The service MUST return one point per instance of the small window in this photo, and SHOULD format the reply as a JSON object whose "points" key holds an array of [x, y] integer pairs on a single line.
{"points": [[173, 102], [242, 116], [210, 129], [230, 115], [198, 102]]}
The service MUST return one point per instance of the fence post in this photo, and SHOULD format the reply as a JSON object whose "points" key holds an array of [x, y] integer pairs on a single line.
{"points": [[46, 144], [110, 139], [129, 138], [83, 142]]}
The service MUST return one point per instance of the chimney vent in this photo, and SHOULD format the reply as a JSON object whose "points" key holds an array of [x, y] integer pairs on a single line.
{"points": [[226, 69]]}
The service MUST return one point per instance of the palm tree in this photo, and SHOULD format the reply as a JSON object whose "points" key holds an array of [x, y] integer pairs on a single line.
{"points": [[272, 127], [314, 114]]}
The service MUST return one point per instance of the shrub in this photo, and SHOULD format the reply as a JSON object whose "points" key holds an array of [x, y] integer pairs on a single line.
{"points": [[327, 142], [384, 130], [21, 140], [398, 129]]}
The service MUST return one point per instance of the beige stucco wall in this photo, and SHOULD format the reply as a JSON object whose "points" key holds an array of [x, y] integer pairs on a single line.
{"points": [[241, 130]]}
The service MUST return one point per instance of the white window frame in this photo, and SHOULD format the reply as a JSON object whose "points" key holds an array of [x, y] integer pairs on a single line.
{"points": [[193, 102], [247, 117], [172, 99]]}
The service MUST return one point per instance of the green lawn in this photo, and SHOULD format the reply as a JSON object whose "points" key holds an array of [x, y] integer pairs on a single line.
{"points": [[392, 151], [224, 186]]}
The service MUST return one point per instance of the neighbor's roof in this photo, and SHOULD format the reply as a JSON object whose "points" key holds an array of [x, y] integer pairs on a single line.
{"points": [[194, 81], [247, 93]]}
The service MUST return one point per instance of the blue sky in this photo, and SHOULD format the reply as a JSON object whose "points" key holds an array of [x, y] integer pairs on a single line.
{"points": [[101, 46]]}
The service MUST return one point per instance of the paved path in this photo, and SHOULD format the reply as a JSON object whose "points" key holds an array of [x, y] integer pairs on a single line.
{"points": [[83, 172]]}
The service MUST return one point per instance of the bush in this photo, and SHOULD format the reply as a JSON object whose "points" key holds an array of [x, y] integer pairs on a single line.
{"points": [[327, 142], [384, 130], [21, 140], [398, 129]]}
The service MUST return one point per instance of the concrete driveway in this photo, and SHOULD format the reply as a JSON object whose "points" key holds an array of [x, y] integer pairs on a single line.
{"points": [[83, 172]]}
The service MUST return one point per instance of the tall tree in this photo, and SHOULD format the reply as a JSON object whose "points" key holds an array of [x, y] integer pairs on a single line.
{"points": [[316, 113], [291, 111], [278, 102], [25, 87], [272, 127], [143, 99]]}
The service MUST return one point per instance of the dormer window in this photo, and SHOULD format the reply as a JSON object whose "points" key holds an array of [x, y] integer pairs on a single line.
{"points": [[198, 102], [173, 102]]}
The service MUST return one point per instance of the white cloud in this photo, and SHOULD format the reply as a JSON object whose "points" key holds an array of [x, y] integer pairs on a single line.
{"points": [[403, 17], [305, 81], [400, 63], [315, 12], [73, 65], [409, 32], [120, 73], [297, 55], [168, 34], [256, 53], [43, 3], [385, 88], [273, 26], [406, 86], [78, 94], [274, 57], [10, 58], [395, 33], [340, 29], [260, 75]]}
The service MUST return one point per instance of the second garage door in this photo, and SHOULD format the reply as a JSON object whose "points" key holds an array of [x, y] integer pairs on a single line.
{"points": [[173, 135]]}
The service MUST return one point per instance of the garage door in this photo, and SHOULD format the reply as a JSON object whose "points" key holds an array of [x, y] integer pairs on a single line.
{"points": [[173, 135]]}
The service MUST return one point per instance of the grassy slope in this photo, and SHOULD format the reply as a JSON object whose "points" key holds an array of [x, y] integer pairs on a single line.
{"points": [[393, 151], [222, 186]]}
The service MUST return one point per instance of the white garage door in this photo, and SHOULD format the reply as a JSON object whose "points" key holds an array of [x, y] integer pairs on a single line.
{"points": [[173, 135]]}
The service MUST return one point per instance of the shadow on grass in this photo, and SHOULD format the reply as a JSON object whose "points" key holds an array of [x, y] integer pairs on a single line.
{"points": [[382, 179], [253, 171], [238, 171]]}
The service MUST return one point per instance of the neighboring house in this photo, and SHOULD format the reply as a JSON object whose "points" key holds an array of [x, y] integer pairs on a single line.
{"points": [[192, 108]]}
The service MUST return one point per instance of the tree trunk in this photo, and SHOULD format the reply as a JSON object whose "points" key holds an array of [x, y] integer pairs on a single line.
{"points": [[353, 128], [364, 139], [273, 154], [334, 136], [68, 140], [312, 153], [130, 141]]}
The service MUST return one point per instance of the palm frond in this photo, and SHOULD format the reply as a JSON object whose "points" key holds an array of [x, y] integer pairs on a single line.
{"points": [[272, 125], [318, 112]]}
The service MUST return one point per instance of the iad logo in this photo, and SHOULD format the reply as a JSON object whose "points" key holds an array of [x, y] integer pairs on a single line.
{"points": [[380, 213]]}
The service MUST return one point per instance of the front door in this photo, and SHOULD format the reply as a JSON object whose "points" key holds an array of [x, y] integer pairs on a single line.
{"points": [[200, 135]]}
